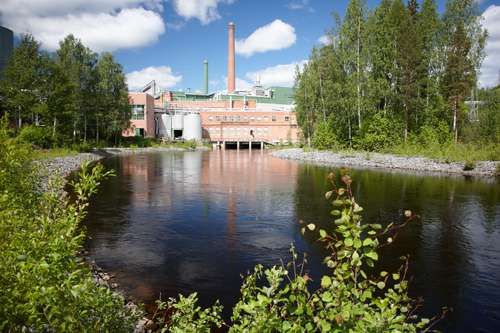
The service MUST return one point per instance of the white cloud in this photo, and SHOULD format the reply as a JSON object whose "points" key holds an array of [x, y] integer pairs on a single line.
{"points": [[204, 10], [490, 69], [325, 40], [163, 76], [106, 25], [300, 5], [279, 75], [276, 35]]}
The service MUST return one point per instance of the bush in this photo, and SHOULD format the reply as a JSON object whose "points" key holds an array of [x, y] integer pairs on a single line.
{"points": [[469, 165], [378, 134], [38, 136], [45, 286], [434, 135], [351, 298], [323, 137], [83, 147]]}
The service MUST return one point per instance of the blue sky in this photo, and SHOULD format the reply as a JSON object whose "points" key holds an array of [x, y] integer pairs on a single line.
{"points": [[168, 40]]}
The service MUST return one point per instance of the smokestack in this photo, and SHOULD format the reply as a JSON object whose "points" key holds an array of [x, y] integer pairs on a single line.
{"points": [[230, 59], [205, 73]]}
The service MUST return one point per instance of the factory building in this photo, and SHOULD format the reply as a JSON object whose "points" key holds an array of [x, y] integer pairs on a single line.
{"points": [[6, 47], [260, 115]]}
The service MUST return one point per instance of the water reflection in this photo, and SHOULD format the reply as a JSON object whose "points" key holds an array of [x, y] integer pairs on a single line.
{"points": [[174, 223]]}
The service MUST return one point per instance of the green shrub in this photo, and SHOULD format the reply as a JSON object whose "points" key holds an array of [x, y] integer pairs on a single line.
{"points": [[40, 137], [434, 135], [378, 134], [323, 137], [45, 286], [469, 165], [350, 298], [83, 147]]}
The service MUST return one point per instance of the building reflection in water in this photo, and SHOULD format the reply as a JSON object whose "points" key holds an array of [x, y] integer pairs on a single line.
{"points": [[174, 223]]}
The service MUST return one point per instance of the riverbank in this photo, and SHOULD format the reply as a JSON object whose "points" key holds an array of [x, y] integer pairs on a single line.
{"points": [[61, 167], [388, 162]]}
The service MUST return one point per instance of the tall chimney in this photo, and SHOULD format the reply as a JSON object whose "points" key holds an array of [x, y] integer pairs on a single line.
{"points": [[205, 73], [230, 59]]}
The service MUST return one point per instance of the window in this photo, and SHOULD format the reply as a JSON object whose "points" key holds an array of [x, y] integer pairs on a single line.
{"points": [[137, 112], [217, 118], [287, 118], [211, 118], [274, 118], [259, 118]]}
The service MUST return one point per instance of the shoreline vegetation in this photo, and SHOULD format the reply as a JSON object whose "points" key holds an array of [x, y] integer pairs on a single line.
{"points": [[383, 161], [49, 286]]}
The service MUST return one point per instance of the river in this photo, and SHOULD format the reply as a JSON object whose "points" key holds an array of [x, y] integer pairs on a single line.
{"points": [[179, 222]]}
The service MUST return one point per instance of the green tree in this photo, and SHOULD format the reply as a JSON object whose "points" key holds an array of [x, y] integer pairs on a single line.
{"points": [[464, 45], [21, 80], [79, 62], [113, 113]]}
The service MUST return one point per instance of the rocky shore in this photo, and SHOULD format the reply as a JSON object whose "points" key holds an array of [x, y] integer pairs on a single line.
{"points": [[387, 162]]}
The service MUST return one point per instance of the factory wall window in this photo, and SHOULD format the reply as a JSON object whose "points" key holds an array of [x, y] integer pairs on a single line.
{"points": [[211, 118], [287, 118], [217, 118], [137, 112], [274, 118]]}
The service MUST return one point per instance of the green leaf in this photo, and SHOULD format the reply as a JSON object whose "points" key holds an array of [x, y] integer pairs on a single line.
{"points": [[322, 233], [311, 226], [381, 285], [348, 242], [372, 254], [395, 276], [367, 242], [326, 281]]}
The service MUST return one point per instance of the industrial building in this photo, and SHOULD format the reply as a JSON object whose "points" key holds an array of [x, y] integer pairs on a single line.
{"points": [[258, 116], [6, 47]]}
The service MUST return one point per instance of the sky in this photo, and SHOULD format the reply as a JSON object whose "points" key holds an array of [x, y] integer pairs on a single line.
{"points": [[168, 40]]}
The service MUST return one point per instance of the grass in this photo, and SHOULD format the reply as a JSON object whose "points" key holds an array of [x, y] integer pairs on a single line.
{"points": [[41, 154], [451, 152]]}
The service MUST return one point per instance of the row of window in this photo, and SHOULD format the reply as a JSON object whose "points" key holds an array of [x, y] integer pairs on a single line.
{"points": [[238, 129], [243, 118], [137, 112]]}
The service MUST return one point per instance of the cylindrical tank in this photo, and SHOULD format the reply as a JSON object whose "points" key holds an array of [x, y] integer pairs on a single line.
{"points": [[177, 122], [192, 127], [165, 126]]}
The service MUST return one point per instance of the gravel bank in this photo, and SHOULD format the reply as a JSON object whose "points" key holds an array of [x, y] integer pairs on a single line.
{"points": [[386, 161]]}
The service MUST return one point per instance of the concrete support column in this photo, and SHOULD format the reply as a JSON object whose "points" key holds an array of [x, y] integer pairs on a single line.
{"points": [[224, 145], [250, 145], [237, 145], [262, 145]]}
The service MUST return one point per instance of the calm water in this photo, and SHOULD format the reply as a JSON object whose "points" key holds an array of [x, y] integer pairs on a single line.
{"points": [[174, 223]]}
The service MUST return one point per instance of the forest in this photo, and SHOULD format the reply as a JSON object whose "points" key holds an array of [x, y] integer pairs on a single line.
{"points": [[71, 97], [402, 78]]}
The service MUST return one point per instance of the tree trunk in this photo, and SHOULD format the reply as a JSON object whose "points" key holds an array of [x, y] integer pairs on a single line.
{"points": [[85, 127], [54, 123], [97, 130], [455, 120]]}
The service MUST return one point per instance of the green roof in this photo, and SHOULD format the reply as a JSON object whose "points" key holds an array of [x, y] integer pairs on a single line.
{"points": [[280, 95]]}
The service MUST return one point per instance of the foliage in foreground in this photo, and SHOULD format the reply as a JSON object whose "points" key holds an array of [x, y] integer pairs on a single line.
{"points": [[45, 287], [351, 298]]}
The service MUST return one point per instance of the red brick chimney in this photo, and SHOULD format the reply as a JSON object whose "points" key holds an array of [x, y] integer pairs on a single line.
{"points": [[230, 59]]}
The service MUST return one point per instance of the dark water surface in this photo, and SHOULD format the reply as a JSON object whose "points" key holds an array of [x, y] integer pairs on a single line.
{"points": [[174, 223]]}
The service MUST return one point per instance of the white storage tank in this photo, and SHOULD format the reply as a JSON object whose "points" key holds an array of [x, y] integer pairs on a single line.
{"points": [[192, 127], [177, 122], [165, 126]]}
